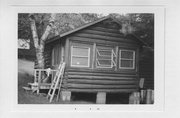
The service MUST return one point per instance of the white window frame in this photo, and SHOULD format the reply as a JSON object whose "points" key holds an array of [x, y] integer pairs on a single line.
{"points": [[80, 56], [127, 59], [113, 63]]}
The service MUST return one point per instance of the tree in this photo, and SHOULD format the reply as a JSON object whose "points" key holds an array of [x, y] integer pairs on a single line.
{"points": [[140, 25], [39, 42], [39, 27]]}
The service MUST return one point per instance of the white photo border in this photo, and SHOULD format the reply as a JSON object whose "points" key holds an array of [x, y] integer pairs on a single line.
{"points": [[159, 54], [159, 41]]}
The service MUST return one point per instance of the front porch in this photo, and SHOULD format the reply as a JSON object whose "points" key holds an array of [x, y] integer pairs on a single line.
{"points": [[42, 79]]}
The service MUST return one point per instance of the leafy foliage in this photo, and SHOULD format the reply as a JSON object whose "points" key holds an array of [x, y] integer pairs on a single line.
{"points": [[69, 21], [64, 22], [144, 25], [139, 24], [24, 30]]}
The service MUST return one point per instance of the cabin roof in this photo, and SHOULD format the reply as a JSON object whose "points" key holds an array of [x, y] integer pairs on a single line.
{"points": [[85, 26], [76, 29]]}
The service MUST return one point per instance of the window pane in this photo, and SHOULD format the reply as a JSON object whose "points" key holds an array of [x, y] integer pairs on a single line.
{"points": [[127, 63], [104, 57], [80, 51], [104, 63], [105, 52], [127, 54], [81, 61]]}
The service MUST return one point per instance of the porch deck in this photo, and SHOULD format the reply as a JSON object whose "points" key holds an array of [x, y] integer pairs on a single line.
{"points": [[43, 79]]}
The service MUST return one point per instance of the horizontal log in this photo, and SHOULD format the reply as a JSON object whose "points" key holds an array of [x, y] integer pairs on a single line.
{"points": [[102, 37], [99, 77], [93, 90], [107, 25], [101, 33], [72, 85], [121, 43], [103, 82], [103, 71], [90, 70], [105, 29], [101, 74], [103, 90]]}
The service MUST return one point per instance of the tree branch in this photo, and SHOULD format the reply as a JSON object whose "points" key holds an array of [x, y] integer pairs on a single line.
{"points": [[48, 28], [47, 31]]}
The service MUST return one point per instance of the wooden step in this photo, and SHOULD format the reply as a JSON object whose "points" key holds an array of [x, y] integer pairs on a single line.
{"points": [[33, 84], [26, 88]]}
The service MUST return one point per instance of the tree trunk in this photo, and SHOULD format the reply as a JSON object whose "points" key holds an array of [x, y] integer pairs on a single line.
{"points": [[40, 58], [40, 46], [34, 31]]}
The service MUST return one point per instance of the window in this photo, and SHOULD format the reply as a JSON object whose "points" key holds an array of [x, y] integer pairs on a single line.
{"points": [[56, 55], [80, 56], [105, 57], [126, 59]]}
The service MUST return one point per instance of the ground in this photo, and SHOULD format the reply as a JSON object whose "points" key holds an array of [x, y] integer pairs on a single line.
{"points": [[25, 76]]}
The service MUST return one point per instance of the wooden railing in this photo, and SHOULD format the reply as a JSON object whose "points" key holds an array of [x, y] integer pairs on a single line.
{"points": [[44, 75]]}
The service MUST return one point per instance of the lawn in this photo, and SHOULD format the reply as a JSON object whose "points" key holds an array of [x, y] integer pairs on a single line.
{"points": [[25, 76]]}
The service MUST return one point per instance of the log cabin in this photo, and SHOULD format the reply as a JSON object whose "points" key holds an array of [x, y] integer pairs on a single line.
{"points": [[99, 59]]}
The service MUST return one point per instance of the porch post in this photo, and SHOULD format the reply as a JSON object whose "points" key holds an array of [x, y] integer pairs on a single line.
{"points": [[101, 98], [65, 95]]}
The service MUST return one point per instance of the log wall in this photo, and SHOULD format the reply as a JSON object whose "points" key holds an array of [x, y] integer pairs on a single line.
{"points": [[100, 80], [47, 55], [93, 79], [146, 69]]}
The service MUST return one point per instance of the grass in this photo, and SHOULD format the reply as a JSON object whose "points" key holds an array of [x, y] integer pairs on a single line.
{"points": [[25, 76]]}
